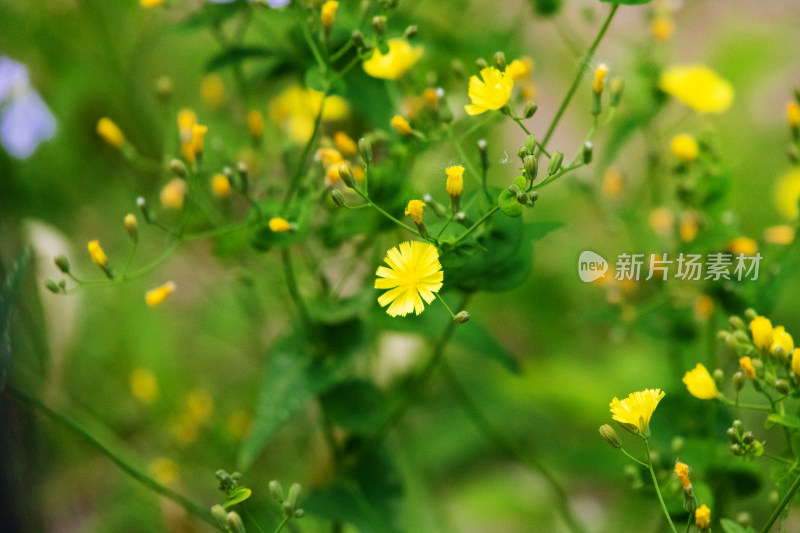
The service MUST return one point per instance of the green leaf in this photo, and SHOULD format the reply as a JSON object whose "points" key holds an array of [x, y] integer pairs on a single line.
{"points": [[212, 15], [8, 296], [729, 526], [232, 56], [356, 405], [237, 495], [790, 421], [508, 204], [344, 502]]}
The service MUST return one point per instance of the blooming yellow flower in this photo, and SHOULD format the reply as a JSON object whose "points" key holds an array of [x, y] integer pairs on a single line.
{"points": [[414, 209], [173, 193], [401, 125], [490, 92], [781, 338], [98, 255], [747, 367], [328, 12], [414, 274], [685, 148], [157, 296], [783, 234], [279, 225], [698, 87], [682, 471], [787, 193], [144, 386], [110, 132], [599, 77], [220, 185], [634, 412], [761, 330], [151, 3], [455, 180], [212, 90], [793, 113], [702, 516], [700, 383], [255, 123], [345, 144], [521, 68], [401, 57], [743, 245]]}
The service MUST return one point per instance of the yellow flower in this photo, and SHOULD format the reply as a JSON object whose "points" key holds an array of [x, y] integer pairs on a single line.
{"points": [[414, 274], [151, 3], [796, 361], [401, 125], [782, 234], [329, 156], [97, 254], [700, 383], [163, 470], [698, 87], [173, 193], [401, 57], [490, 92], [110, 132], [198, 133], [743, 245], [414, 209], [328, 12], [685, 148], [239, 423], [199, 405], [761, 330], [612, 183], [345, 143], [212, 90], [662, 28], [747, 367], [689, 227], [144, 386], [787, 193], [455, 180], [793, 113], [159, 294], [255, 123], [220, 185], [661, 220], [520, 69], [702, 516], [682, 471], [186, 121], [279, 225], [599, 76], [782, 339], [634, 412], [296, 109]]}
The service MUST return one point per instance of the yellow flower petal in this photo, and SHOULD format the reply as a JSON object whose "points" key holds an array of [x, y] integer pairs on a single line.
{"points": [[414, 274]]}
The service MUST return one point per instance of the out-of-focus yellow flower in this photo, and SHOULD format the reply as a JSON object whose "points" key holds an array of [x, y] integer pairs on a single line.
{"points": [[489, 92], [782, 339], [782, 234], [682, 471], [661, 220], [396, 62], [296, 109], [414, 209], [431, 98], [743, 245], [414, 274], [698, 87], [634, 412], [279, 225], [761, 330], [746, 364], [787, 194], [685, 147], [700, 383], [401, 125], [185, 430], [520, 69], [328, 12], [345, 144], [255, 123], [97, 254], [144, 386], [212, 90], [173, 194], [662, 27], [455, 180], [239, 423], [599, 77], [151, 3], [199, 405], [110, 132], [186, 121], [198, 134], [220, 185], [702, 517], [796, 361], [157, 296], [164, 470], [612, 184], [793, 113], [703, 307], [689, 227], [329, 156]]}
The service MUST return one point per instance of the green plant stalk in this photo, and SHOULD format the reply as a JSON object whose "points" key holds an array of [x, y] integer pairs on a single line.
{"points": [[480, 221], [294, 291], [457, 145], [387, 215], [782, 505], [579, 77], [144, 479], [655, 485], [283, 523]]}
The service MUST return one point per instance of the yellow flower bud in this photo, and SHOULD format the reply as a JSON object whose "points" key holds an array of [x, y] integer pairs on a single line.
{"points": [[685, 148], [110, 132], [455, 180], [328, 12], [98, 255], [689, 227], [796, 362], [345, 144], [662, 28], [747, 367], [761, 330], [520, 68], [186, 121], [700, 383], [132, 226], [682, 471], [793, 114], [212, 90], [220, 185], [401, 125], [599, 76], [144, 386], [279, 225], [150, 3], [255, 123], [329, 156], [743, 245], [159, 294], [414, 209], [198, 132], [173, 193], [781, 339], [702, 517]]}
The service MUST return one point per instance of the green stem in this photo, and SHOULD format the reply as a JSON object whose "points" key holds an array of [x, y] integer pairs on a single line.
{"points": [[283, 523], [782, 505], [632, 457], [480, 221], [294, 291], [446, 306], [387, 215], [587, 58], [142, 478], [467, 163], [655, 482], [301, 163]]}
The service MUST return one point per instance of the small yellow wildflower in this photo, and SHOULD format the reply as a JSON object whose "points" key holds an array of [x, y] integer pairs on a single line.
{"points": [[431, 98], [220, 185], [519, 69], [151, 3], [700, 384], [490, 92], [110, 132], [239, 423], [131, 226], [144, 386], [186, 121], [689, 227], [634, 412], [328, 12], [782, 234], [401, 57], [796, 361], [157, 296], [793, 114], [414, 274], [279, 225], [255, 123], [685, 147], [702, 516], [163, 470], [173, 193], [455, 180], [98, 255], [401, 125], [198, 133], [599, 77], [698, 87], [414, 209], [743, 245], [212, 90], [199, 405], [747, 367], [661, 220], [682, 471], [782, 339], [761, 330], [662, 28], [612, 184], [787, 194], [345, 144], [296, 109], [703, 307]]}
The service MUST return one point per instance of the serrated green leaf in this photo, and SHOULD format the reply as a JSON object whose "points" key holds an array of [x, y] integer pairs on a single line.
{"points": [[790, 421], [237, 495]]}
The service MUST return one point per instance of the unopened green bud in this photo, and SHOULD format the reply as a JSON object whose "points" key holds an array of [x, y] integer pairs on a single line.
{"points": [[748, 438], [132, 226], [62, 284], [533, 195], [555, 162], [750, 314], [358, 39], [234, 522], [732, 436], [164, 88], [588, 149], [781, 355], [737, 323], [739, 381], [62, 263], [338, 198], [484, 153], [299, 513], [295, 491], [142, 203], [219, 514], [462, 317], [365, 149], [617, 88], [287, 508], [758, 364], [738, 426], [379, 23], [782, 386], [608, 433], [481, 63], [522, 198], [499, 60], [514, 189], [276, 490], [411, 32], [52, 286], [177, 168], [530, 144], [744, 519], [531, 164], [244, 177], [736, 450], [741, 337], [347, 175], [530, 109], [719, 375]]}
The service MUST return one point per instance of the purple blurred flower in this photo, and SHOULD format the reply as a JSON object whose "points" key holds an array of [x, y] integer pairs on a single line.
{"points": [[272, 3], [25, 120]]}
